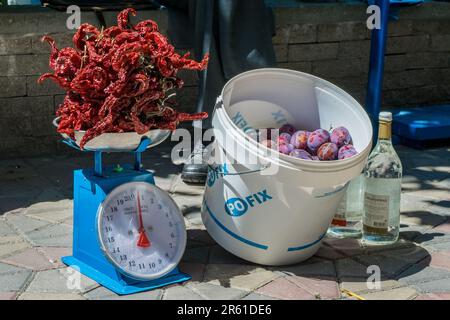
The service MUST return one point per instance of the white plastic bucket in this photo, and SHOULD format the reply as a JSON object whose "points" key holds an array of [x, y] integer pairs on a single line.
{"points": [[276, 211]]}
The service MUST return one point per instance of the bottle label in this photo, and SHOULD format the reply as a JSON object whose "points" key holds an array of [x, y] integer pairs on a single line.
{"points": [[376, 209]]}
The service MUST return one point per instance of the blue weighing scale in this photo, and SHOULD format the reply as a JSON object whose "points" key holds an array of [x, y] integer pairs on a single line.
{"points": [[128, 234]]}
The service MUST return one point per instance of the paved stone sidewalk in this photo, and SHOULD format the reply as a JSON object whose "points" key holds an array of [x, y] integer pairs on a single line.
{"points": [[36, 227]]}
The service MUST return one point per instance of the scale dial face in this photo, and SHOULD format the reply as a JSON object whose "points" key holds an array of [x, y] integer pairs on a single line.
{"points": [[141, 230]]}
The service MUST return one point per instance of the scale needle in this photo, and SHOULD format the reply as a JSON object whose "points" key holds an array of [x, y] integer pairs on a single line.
{"points": [[143, 240]]}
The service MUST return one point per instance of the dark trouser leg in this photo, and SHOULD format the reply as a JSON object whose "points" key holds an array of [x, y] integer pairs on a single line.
{"points": [[238, 36]]}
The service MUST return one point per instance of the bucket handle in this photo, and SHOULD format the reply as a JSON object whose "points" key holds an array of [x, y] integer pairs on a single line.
{"points": [[226, 173]]}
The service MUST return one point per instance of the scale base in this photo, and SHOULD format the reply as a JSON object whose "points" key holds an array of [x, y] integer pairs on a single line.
{"points": [[120, 286]]}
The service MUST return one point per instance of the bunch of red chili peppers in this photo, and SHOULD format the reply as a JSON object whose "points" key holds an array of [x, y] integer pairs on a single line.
{"points": [[118, 79]]}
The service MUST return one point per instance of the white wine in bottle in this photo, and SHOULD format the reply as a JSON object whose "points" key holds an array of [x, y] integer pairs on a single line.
{"points": [[347, 222], [382, 189]]}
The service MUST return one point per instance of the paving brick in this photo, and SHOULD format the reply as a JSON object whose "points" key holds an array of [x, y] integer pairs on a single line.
{"points": [[52, 236], [281, 52], [54, 254], [10, 239], [196, 255], [304, 66], [349, 30], [388, 265], [329, 253], [358, 285], [13, 278], [409, 78], [180, 293], [350, 67], [60, 281], [321, 287], [242, 277], [433, 296], [46, 88], [412, 96], [410, 255], [443, 227], [405, 293], [436, 240], [10, 269], [30, 64], [440, 286], [421, 273], [323, 268], [350, 268], [62, 40], [408, 44], [195, 270], [440, 260], [220, 255], [348, 247], [354, 49], [102, 293], [26, 224], [29, 258], [215, 292], [49, 296], [281, 35], [312, 52], [400, 28], [8, 295], [283, 289], [184, 189], [12, 86], [194, 218], [52, 211], [256, 296], [440, 42], [5, 229], [200, 236], [302, 33], [8, 249], [26, 106], [15, 44]]}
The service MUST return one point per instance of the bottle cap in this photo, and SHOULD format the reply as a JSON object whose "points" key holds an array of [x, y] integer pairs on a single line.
{"points": [[385, 116]]}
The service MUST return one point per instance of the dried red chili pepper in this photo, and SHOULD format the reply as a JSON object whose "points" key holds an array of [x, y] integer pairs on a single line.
{"points": [[119, 79]]}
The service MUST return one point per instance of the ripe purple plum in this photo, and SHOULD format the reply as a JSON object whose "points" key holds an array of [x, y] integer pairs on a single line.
{"points": [[285, 148], [288, 128], [346, 151], [284, 138], [328, 151], [340, 136], [301, 154], [316, 139], [300, 139]]}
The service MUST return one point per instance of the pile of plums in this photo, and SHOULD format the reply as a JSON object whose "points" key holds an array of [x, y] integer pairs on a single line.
{"points": [[316, 145]]}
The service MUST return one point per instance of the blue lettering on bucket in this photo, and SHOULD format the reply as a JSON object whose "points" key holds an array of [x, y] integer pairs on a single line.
{"points": [[279, 117], [240, 121], [236, 207], [216, 173]]}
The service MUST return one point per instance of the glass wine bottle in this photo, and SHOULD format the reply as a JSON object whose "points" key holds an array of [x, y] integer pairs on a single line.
{"points": [[347, 222], [382, 188]]}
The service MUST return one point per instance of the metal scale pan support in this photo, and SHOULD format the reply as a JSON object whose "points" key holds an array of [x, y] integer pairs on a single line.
{"points": [[128, 234]]}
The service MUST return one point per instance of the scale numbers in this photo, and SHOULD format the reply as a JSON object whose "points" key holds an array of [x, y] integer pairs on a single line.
{"points": [[141, 230]]}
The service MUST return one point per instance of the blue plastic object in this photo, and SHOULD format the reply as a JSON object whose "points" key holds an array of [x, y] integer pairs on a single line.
{"points": [[91, 186], [376, 67], [422, 123]]}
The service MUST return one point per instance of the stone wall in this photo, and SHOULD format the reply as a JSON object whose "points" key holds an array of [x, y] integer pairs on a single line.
{"points": [[327, 40]]}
